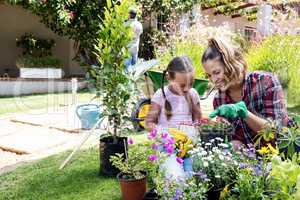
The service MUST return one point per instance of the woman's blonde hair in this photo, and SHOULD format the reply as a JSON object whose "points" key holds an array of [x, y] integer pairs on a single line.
{"points": [[235, 66]]}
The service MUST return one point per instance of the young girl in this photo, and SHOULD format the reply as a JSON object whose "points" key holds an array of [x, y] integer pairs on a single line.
{"points": [[177, 102]]}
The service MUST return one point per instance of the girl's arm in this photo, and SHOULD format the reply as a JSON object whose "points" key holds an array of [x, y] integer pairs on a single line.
{"points": [[152, 117], [254, 122]]}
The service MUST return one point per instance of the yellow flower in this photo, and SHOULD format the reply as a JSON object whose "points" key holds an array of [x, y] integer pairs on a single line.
{"points": [[269, 149], [224, 192], [263, 150], [273, 150]]}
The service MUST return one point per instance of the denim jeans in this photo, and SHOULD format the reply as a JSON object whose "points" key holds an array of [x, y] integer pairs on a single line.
{"points": [[130, 62]]}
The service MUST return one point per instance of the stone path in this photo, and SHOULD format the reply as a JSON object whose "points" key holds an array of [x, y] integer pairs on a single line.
{"points": [[30, 136]]}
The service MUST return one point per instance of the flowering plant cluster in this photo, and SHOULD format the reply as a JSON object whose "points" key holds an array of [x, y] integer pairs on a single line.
{"points": [[169, 141], [214, 162]]}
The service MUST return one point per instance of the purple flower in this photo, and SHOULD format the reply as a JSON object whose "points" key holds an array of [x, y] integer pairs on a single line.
{"points": [[154, 146], [164, 135], [179, 160], [178, 192], [170, 150], [200, 175], [152, 157], [243, 165], [171, 140], [130, 141], [152, 134]]}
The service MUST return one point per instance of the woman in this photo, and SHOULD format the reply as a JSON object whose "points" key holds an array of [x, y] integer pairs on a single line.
{"points": [[247, 100]]}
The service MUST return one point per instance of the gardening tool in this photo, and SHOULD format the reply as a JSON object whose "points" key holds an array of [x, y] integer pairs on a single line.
{"points": [[88, 114], [84, 139], [208, 93]]}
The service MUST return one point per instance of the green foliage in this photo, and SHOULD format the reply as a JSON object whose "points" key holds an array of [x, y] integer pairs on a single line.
{"points": [[34, 46], [136, 162], [78, 20], [38, 62], [289, 140], [286, 176], [109, 77], [279, 54]]}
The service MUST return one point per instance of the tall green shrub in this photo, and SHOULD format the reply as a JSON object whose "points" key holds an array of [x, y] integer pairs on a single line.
{"points": [[109, 78], [280, 55]]}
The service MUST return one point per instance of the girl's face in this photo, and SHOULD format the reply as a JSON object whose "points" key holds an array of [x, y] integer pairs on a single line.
{"points": [[214, 70], [182, 82]]}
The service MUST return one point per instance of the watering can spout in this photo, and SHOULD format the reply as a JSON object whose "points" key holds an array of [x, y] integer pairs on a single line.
{"points": [[88, 114]]}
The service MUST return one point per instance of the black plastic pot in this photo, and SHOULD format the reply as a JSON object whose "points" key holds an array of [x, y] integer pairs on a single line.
{"points": [[107, 148], [210, 133], [213, 194], [151, 195]]}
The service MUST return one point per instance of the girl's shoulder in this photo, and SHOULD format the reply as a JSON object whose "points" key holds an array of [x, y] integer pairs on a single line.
{"points": [[261, 77]]}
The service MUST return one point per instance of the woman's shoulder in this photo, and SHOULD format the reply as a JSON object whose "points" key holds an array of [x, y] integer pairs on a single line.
{"points": [[260, 75], [262, 79]]}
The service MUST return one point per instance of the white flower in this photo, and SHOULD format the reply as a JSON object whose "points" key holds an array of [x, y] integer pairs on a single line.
{"points": [[217, 176], [208, 144], [223, 145], [224, 164], [205, 164], [209, 158], [219, 139], [221, 157]]}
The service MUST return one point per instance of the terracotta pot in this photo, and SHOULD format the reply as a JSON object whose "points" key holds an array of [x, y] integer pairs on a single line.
{"points": [[132, 189]]}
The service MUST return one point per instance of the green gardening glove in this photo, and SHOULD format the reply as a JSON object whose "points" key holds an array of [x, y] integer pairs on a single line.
{"points": [[231, 111]]}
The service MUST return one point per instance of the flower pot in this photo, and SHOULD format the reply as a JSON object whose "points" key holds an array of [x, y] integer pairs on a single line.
{"points": [[213, 194], [210, 133], [107, 148], [132, 189], [151, 195], [40, 72]]}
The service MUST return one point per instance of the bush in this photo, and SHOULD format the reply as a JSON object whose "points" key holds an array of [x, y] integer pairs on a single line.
{"points": [[38, 62], [280, 55]]}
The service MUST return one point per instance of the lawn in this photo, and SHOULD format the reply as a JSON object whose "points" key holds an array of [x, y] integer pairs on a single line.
{"points": [[40, 101], [43, 180]]}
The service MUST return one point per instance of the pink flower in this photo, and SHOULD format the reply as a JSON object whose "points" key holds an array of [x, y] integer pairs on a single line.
{"points": [[152, 157], [170, 150], [152, 134], [130, 141], [171, 140], [179, 160], [72, 14], [164, 135]]}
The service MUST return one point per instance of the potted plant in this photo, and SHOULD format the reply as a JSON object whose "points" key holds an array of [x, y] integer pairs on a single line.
{"points": [[114, 86], [133, 174], [210, 129], [37, 60]]}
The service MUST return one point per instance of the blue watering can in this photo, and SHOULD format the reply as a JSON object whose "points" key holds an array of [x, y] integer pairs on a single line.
{"points": [[88, 114]]}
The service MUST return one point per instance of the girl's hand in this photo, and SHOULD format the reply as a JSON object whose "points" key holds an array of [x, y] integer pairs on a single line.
{"points": [[230, 111]]}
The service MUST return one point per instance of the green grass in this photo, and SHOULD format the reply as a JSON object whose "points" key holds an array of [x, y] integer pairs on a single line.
{"points": [[43, 180], [40, 101]]}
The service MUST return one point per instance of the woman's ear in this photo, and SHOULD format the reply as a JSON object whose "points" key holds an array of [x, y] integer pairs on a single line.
{"points": [[167, 76]]}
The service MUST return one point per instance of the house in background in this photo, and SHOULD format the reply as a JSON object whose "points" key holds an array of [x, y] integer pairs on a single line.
{"points": [[253, 17], [15, 22]]}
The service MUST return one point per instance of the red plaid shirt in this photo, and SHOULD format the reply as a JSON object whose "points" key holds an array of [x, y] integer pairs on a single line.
{"points": [[263, 96]]}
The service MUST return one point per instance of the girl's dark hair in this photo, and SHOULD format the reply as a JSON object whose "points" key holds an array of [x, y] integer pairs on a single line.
{"points": [[181, 64], [232, 58]]}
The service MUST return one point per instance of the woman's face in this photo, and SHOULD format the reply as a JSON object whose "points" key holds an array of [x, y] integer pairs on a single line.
{"points": [[214, 70], [182, 82]]}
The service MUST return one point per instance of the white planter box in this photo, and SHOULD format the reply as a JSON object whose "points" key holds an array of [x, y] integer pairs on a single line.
{"points": [[40, 73]]}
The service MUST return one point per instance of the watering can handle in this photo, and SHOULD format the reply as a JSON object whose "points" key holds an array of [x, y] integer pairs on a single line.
{"points": [[78, 113]]}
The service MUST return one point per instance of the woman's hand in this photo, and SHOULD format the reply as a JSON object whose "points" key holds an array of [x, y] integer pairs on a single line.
{"points": [[230, 111]]}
